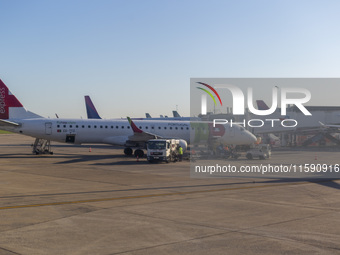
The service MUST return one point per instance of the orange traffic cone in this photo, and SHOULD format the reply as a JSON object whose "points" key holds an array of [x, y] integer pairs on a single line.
{"points": [[90, 150]]}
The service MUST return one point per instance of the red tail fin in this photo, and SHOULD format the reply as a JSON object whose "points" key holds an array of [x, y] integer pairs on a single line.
{"points": [[7, 99]]}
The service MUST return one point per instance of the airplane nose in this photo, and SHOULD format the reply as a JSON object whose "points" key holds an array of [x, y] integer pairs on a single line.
{"points": [[252, 138]]}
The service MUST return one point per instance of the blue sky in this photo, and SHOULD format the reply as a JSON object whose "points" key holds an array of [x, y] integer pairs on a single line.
{"points": [[134, 57]]}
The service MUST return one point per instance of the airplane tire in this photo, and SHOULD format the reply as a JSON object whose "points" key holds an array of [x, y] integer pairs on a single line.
{"points": [[128, 151], [139, 153]]}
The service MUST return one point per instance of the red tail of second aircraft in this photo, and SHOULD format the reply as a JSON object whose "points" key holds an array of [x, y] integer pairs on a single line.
{"points": [[7, 101], [10, 106]]}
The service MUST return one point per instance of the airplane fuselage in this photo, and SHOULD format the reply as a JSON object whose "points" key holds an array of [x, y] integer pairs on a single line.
{"points": [[117, 132]]}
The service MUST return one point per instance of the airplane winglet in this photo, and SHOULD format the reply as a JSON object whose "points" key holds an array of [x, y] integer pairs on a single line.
{"points": [[133, 126]]}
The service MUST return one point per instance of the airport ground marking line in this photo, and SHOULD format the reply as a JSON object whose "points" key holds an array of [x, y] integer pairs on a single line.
{"points": [[148, 196]]}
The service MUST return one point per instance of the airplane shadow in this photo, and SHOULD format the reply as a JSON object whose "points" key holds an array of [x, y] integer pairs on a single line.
{"points": [[124, 163], [89, 158], [328, 183], [129, 160], [331, 183], [76, 158]]}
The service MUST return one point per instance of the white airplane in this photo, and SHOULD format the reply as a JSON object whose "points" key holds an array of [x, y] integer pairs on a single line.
{"points": [[131, 134]]}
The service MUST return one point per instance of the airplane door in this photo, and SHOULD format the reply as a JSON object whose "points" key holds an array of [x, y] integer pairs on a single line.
{"points": [[48, 128]]}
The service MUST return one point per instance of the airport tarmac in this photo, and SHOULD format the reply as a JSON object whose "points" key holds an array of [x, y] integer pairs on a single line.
{"points": [[101, 202]]}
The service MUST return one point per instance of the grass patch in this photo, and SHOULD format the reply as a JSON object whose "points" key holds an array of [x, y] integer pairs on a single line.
{"points": [[5, 132]]}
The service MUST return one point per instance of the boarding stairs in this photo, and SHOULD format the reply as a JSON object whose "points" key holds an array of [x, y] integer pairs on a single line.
{"points": [[41, 146]]}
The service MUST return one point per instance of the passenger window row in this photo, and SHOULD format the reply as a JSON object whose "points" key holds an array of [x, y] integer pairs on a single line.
{"points": [[116, 127]]}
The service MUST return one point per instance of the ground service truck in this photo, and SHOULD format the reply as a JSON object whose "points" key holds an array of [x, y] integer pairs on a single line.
{"points": [[162, 150]]}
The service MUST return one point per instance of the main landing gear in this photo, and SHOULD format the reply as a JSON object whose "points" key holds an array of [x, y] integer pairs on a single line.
{"points": [[128, 151], [138, 152]]}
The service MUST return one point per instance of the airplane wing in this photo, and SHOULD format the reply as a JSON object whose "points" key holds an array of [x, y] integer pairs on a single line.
{"points": [[303, 131], [140, 135], [300, 131], [6, 123], [329, 126]]}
